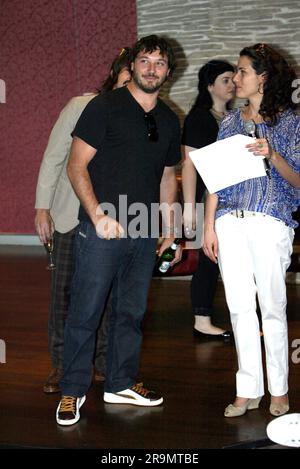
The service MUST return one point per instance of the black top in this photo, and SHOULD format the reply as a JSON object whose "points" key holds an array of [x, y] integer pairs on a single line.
{"points": [[200, 129], [127, 161]]}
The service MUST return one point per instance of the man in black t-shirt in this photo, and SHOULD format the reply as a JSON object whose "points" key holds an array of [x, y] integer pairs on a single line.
{"points": [[125, 148]]}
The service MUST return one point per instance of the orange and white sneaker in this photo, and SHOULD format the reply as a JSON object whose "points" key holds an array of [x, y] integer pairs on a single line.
{"points": [[67, 412], [136, 395]]}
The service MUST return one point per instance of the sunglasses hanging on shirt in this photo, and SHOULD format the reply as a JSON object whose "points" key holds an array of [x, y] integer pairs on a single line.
{"points": [[151, 127]]}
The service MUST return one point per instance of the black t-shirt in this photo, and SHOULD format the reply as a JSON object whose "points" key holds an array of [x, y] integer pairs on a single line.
{"points": [[200, 129], [126, 161]]}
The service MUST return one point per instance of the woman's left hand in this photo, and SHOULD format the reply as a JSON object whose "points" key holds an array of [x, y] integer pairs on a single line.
{"points": [[260, 147]]}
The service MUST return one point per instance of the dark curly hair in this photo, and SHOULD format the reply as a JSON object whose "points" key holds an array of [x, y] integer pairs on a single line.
{"points": [[277, 88], [123, 60], [152, 43], [207, 76]]}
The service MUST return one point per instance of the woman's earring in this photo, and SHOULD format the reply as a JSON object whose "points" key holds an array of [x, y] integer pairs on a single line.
{"points": [[261, 90]]}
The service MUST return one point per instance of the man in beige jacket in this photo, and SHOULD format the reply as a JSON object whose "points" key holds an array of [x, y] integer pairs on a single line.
{"points": [[56, 216]]}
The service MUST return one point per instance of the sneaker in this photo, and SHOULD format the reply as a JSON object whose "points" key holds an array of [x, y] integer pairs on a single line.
{"points": [[67, 412], [136, 395]]}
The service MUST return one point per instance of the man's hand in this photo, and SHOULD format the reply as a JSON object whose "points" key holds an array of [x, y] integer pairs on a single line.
{"points": [[165, 244], [44, 224], [108, 228]]}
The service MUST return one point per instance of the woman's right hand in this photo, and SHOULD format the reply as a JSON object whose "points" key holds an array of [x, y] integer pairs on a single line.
{"points": [[210, 245], [189, 219], [44, 224]]}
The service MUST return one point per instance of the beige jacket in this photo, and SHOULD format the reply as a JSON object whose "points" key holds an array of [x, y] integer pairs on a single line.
{"points": [[54, 190]]}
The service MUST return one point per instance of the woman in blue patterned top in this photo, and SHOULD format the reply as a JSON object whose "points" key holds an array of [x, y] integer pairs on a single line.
{"points": [[249, 228]]}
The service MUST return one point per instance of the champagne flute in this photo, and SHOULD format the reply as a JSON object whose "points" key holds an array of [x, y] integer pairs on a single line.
{"points": [[49, 246]]}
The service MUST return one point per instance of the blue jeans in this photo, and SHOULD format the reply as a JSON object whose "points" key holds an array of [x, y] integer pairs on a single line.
{"points": [[126, 266], [61, 279]]}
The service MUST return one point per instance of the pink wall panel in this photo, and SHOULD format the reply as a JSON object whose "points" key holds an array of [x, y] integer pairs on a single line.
{"points": [[50, 51]]}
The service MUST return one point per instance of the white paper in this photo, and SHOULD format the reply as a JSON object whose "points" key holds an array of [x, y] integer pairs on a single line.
{"points": [[227, 162]]}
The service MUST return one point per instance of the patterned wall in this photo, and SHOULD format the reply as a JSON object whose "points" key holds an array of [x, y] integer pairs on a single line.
{"points": [[51, 50], [205, 29]]}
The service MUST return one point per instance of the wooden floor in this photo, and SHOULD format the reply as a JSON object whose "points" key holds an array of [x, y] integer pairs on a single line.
{"points": [[196, 377]]}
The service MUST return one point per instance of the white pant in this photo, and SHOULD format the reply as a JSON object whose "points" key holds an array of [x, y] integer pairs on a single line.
{"points": [[254, 254]]}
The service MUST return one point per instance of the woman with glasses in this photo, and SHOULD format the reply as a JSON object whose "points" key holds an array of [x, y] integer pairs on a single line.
{"points": [[215, 90], [249, 227]]}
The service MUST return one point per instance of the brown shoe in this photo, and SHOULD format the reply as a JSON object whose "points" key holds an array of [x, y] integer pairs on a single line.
{"points": [[52, 384], [98, 376]]}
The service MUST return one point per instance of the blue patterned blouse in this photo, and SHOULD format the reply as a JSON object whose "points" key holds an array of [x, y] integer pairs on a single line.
{"points": [[273, 196]]}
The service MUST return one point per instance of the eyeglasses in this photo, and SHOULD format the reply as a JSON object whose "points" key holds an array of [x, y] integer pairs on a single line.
{"points": [[151, 127]]}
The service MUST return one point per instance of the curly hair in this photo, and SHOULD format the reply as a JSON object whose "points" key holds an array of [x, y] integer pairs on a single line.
{"points": [[207, 75], [277, 88]]}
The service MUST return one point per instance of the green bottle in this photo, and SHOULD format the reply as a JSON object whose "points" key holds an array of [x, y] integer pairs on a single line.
{"points": [[167, 256]]}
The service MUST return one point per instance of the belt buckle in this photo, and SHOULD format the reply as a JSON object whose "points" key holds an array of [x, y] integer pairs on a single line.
{"points": [[239, 213]]}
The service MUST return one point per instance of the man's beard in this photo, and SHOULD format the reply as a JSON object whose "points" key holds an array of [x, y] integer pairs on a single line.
{"points": [[148, 88]]}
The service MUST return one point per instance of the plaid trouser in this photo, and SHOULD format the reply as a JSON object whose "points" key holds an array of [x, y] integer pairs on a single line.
{"points": [[59, 304]]}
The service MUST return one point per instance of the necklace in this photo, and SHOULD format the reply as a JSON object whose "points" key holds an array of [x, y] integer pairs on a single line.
{"points": [[219, 113]]}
